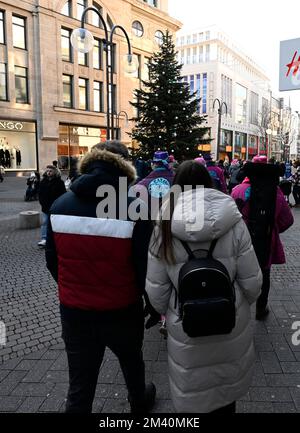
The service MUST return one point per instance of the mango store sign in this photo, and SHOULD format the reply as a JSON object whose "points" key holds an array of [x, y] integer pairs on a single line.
{"points": [[12, 126], [289, 78]]}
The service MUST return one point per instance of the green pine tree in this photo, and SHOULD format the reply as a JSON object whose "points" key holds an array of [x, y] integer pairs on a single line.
{"points": [[167, 112]]}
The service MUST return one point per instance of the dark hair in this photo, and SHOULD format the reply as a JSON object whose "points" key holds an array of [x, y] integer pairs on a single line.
{"points": [[113, 146], [189, 173]]}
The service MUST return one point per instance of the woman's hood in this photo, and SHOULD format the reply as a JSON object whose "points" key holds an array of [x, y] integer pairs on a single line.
{"points": [[204, 214]]}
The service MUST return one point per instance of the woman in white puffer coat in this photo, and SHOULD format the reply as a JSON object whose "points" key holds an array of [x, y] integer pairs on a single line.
{"points": [[206, 374]]}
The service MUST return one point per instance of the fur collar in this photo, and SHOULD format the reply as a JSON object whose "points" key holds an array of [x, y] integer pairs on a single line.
{"points": [[103, 155]]}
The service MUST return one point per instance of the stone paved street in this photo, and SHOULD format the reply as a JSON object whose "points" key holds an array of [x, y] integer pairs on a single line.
{"points": [[33, 367]]}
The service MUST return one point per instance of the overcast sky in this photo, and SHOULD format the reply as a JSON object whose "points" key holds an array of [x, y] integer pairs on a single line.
{"points": [[257, 26]]}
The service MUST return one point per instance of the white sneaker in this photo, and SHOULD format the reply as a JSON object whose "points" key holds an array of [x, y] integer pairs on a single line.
{"points": [[42, 243]]}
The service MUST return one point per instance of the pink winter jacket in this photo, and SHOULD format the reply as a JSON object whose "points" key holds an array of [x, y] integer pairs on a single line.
{"points": [[283, 219]]}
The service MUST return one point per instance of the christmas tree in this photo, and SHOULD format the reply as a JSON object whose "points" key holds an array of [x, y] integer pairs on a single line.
{"points": [[167, 112]]}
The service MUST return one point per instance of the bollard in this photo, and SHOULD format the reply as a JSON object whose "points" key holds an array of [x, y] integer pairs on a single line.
{"points": [[29, 219]]}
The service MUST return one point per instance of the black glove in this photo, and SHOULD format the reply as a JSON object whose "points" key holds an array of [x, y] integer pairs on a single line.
{"points": [[154, 315]]}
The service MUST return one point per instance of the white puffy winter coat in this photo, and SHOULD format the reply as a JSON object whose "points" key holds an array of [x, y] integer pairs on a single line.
{"points": [[208, 373]]}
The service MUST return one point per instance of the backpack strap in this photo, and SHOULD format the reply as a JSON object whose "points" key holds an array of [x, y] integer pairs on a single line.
{"points": [[188, 250], [211, 249]]}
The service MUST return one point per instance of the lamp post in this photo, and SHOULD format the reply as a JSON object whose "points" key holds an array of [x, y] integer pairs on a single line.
{"points": [[118, 122], [83, 41], [220, 113]]}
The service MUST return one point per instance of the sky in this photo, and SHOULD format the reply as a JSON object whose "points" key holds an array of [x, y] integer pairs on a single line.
{"points": [[257, 26]]}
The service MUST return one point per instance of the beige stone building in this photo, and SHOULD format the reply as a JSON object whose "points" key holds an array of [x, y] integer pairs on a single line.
{"points": [[53, 98]]}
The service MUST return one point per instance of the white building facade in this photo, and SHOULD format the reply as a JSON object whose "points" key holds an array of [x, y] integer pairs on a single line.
{"points": [[215, 67]]}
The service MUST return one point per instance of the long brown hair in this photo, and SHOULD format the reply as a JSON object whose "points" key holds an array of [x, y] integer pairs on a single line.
{"points": [[189, 173]]}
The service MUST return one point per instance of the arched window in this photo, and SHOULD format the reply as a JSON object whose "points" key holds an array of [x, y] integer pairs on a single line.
{"points": [[95, 18], [137, 29], [67, 8], [159, 37]]}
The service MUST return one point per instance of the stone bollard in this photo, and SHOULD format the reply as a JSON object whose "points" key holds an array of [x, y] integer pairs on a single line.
{"points": [[29, 219]]}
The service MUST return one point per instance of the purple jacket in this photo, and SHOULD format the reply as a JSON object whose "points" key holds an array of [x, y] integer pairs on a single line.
{"points": [[283, 219], [218, 173]]}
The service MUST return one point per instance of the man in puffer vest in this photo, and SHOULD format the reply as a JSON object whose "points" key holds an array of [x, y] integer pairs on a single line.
{"points": [[100, 265]]}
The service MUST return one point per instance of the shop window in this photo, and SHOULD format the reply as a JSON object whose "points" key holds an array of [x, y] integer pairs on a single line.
{"points": [[67, 91], [17, 145], [21, 85], [19, 32], [159, 37], [98, 96], [83, 93], [66, 48], [2, 26], [97, 54], [81, 5], [137, 29], [67, 9], [3, 82]]}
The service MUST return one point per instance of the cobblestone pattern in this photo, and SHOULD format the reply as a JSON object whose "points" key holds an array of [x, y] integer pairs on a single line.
{"points": [[35, 378]]}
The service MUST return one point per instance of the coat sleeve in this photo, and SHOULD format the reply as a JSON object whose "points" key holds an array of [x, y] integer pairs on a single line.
{"points": [[51, 255], [248, 276], [158, 283], [284, 219]]}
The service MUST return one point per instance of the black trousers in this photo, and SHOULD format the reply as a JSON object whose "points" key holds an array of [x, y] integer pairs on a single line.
{"points": [[262, 301], [86, 335], [296, 193]]}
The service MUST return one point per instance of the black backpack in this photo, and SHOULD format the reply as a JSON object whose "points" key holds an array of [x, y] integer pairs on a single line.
{"points": [[206, 296]]}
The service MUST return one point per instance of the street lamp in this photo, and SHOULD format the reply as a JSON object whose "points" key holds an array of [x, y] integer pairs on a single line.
{"points": [[83, 41], [220, 112], [118, 122]]}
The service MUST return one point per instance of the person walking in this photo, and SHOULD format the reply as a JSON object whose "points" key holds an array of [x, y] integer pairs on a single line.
{"points": [[296, 188], [216, 173], [206, 374], [51, 187], [99, 261], [267, 214], [233, 172], [154, 187]]}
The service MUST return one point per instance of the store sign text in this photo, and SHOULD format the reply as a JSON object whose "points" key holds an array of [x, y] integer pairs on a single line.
{"points": [[12, 125]]}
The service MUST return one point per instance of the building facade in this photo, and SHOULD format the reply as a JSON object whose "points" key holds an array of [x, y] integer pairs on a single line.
{"points": [[215, 67], [53, 98]]}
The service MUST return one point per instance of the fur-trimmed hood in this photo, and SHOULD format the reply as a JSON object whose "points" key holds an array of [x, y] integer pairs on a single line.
{"points": [[86, 165], [100, 167]]}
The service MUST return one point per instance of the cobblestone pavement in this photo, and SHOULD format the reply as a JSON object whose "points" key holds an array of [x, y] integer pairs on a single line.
{"points": [[33, 365]]}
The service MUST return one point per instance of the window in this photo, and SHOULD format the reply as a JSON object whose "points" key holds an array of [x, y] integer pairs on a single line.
{"points": [[83, 93], [137, 29], [254, 108], [145, 72], [19, 30], [137, 73], [114, 57], [200, 54], [192, 84], [207, 35], [195, 55], [198, 89], [82, 59], [207, 54], [151, 3], [188, 40], [194, 38], [227, 92], [66, 48], [110, 23], [96, 21], [204, 99], [201, 37], [21, 85], [81, 5], [241, 104], [182, 57], [182, 40], [98, 96], [2, 33], [97, 54], [68, 91], [159, 37], [114, 97], [67, 9], [3, 82], [188, 56]]}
